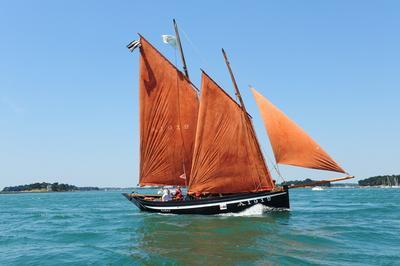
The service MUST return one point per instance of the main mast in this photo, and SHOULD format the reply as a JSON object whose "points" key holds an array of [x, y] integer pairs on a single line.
{"points": [[178, 39], [185, 70]]}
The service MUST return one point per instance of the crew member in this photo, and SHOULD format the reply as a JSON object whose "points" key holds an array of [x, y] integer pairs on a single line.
{"points": [[178, 193], [166, 195]]}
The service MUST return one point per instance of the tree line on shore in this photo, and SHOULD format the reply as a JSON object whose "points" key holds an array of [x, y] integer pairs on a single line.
{"points": [[303, 182], [381, 180], [47, 186]]}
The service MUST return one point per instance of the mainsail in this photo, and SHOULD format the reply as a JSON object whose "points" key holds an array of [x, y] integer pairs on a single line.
{"points": [[226, 157], [290, 143], [168, 116]]}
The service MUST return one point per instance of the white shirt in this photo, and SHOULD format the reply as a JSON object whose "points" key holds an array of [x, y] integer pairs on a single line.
{"points": [[166, 195]]}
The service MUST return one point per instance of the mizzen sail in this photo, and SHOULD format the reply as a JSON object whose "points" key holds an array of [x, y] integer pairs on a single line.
{"points": [[168, 116], [226, 158], [290, 143]]}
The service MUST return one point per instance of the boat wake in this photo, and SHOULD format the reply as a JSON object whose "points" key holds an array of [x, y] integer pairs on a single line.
{"points": [[256, 210]]}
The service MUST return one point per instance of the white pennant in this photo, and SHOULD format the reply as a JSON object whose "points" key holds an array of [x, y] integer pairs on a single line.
{"points": [[169, 39]]}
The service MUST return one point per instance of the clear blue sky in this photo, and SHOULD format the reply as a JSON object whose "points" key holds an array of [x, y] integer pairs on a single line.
{"points": [[69, 96]]}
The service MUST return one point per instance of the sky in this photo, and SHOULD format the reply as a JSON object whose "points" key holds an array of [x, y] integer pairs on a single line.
{"points": [[69, 86]]}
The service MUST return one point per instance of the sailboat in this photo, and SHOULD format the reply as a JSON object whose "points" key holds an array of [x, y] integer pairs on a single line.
{"points": [[208, 144]]}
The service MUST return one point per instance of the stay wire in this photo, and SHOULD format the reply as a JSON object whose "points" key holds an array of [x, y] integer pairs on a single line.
{"points": [[194, 47], [276, 167]]}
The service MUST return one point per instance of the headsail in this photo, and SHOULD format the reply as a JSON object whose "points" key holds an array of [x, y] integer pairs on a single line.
{"points": [[168, 117], [290, 143], [226, 158]]}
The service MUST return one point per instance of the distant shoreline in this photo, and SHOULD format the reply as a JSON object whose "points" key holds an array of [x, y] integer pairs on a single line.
{"points": [[30, 192], [131, 189], [71, 191], [46, 187], [387, 181]]}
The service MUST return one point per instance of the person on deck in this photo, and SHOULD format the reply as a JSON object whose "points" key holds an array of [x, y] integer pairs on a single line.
{"points": [[178, 193], [166, 196]]}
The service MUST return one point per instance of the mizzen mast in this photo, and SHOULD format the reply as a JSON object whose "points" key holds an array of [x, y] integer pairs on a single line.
{"points": [[178, 39]]}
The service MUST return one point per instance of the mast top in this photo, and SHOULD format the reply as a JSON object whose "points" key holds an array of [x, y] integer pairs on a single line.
{"points": [[178, 39], [237, 92]]}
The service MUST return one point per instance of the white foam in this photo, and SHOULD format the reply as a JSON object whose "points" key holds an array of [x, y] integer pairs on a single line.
{"points": [[255, 210]]}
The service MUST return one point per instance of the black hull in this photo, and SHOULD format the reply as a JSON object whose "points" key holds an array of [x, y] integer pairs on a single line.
{"points": [[214, 205]]}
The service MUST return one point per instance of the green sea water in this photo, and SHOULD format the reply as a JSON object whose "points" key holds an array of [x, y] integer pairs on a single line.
{"points": [[346, 226]]}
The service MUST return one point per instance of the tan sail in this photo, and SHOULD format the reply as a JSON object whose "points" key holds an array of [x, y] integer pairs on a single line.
{"points": [[226, 158], [168, 117], [290, 143]]}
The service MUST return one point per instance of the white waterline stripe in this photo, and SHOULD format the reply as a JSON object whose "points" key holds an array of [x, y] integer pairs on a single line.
{"points": [[211, 204]]}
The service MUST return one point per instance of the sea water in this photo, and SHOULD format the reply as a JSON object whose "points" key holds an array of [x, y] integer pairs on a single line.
{"points": [[332, 227]]}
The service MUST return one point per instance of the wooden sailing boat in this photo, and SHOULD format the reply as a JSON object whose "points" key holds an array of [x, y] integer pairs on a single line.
{"points": [[209, 144]]}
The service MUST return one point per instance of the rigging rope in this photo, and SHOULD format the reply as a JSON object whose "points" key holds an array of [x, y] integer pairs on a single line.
{"points": [[195, 49], [274, 165]]}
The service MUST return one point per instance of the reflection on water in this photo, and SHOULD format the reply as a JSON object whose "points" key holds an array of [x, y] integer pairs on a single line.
{"points": [[204, 239]]}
